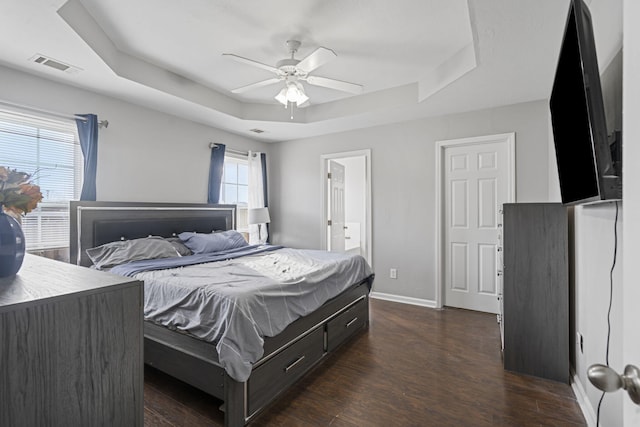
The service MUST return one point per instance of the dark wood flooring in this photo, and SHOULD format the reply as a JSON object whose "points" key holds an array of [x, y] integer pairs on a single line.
{"points": [[414, 366]]}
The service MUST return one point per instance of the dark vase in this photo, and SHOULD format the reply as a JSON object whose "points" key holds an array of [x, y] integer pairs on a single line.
{"points": [[11, 245]]}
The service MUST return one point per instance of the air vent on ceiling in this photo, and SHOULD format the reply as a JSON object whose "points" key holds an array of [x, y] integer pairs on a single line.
{"points": [[54, 63], [256, 130]]}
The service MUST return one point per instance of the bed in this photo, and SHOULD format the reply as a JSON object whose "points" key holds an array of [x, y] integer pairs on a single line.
{"points": [[286, 353]]}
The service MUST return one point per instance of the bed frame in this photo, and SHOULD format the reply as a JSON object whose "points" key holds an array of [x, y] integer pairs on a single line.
{"points": [[287, 357]]}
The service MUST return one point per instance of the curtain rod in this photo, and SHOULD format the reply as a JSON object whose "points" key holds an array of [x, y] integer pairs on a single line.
{"points": [[101, 123], [230, 150]]}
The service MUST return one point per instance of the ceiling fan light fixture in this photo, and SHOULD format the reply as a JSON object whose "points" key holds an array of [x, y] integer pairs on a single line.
{"points": [[292, 92], [291, 70]]}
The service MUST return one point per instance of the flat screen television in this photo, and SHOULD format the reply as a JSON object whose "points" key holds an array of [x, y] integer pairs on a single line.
{"points": [[584, 153]]}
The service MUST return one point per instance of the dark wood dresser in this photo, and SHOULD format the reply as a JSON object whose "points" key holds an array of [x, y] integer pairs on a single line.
{"points": [[70, 347], [536, 290]]}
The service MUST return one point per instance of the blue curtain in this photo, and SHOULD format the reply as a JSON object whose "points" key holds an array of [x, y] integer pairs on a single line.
{"points": [[263, 160], [215, 172], [88, 133]]}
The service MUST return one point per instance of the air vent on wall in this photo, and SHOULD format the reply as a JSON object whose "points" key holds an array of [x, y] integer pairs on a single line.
{"points": [[256, 130], [54, 63]]}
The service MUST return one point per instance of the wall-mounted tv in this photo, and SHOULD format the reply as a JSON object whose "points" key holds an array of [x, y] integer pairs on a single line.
{"points": [[584, 153]]}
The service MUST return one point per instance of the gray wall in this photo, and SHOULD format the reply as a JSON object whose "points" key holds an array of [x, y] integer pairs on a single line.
{"points": [[144, 155], [403, 185], [593, 259]]}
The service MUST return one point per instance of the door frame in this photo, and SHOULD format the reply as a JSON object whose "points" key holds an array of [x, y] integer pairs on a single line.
{"points": [[324, 158], [507, 138]]}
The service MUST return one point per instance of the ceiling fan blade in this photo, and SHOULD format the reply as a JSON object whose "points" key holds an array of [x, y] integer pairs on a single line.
{"points": [[315, 59], [248, 61], [354, 88], [256, 85]]}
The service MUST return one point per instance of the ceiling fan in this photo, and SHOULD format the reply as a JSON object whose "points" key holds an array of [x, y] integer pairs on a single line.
{"points": [[293, 71]]}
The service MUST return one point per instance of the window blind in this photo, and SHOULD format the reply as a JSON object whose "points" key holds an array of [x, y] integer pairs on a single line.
{"points": [[49, 150]]}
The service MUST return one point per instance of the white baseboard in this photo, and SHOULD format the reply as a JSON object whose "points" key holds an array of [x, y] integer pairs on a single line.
{"points": [[404, 300], [583, 399]]}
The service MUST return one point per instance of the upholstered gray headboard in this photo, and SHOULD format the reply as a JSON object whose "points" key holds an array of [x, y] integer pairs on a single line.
{"points": [[96, 223]]}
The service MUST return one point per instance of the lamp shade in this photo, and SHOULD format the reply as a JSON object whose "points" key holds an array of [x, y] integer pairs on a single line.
{"points": [[259, 216], [281, 97]]}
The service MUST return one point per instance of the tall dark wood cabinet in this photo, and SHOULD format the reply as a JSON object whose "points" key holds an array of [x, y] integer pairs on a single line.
{"points": [[536, 289], [70, 347]]}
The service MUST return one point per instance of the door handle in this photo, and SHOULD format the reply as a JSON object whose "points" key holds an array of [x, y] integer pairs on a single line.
{"points": [[608, 380]]}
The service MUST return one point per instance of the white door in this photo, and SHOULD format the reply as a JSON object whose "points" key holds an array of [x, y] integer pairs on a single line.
{"points": [[631, 197], [336, 206], [630, 292], [477, 180]]}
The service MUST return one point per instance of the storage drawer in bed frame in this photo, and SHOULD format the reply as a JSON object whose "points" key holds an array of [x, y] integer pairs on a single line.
{"points": [[284, 369], [275, 373], [346, 323]]}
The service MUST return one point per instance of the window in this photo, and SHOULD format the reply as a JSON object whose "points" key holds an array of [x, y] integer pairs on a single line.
{"points": [[235, 188], [48, 149]]}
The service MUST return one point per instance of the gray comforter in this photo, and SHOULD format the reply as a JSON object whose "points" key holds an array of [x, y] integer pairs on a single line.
{"points": [[235, 303]]}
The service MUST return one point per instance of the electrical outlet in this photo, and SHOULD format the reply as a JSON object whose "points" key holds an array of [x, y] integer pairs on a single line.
{"points": [[393, 273]]}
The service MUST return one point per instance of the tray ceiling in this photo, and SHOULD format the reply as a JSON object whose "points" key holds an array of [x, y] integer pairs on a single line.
{"points": [[414, 58]]}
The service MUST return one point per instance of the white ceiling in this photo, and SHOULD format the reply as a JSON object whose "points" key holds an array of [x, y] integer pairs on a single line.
{"points": [[415, 58]]}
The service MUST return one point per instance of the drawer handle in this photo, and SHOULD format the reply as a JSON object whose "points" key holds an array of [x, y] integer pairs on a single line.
{"points": [[293, 364], [351, 322]]}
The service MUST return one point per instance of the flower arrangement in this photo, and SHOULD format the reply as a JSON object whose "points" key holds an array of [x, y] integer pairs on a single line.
{"points": [[17, 195]]}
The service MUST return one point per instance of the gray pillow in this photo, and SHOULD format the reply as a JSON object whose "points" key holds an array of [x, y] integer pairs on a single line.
{"points": [[201, 243], [179, 246], [115, 253]]}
